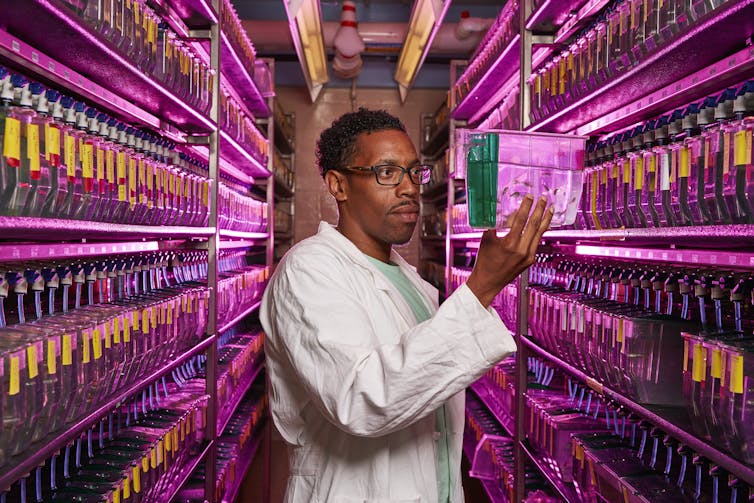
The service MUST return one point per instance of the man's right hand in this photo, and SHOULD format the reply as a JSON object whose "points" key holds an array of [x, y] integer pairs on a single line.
{"points": [[501, 260]]}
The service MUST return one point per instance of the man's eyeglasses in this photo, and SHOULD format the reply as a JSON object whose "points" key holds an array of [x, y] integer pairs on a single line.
{"points": [[392, 175]]}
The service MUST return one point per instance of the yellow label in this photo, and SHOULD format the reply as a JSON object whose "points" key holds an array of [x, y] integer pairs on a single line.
{"points": [[737, 374], [70, 155], [108, 336], [136, 316], [97, 343], [593, 205], [168, 442], [685, 355], [170, 313], [136, 475], [684, 163], [205, 193], [66, 353], [31, 361], [100, 164], [126, 329], [154, 317], [153, 458], [116, 495], [32, 146], [85, 356], [52, 141], [110, 165], [145, 320], [716, 366], [603, 176], [742, 147], [175, 439], [652, 167], [639, 174], [127, 488], [12, 140], [132, 180], [15, 377], [626, 171], [52, 358], [726, 152], [116, 331], [145, 464], [699, 365]]}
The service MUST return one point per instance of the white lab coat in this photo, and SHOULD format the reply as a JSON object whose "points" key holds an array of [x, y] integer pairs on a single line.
{"points": [[355, 381]]}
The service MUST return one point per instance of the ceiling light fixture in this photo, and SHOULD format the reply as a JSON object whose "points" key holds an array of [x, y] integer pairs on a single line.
{"points": [[305, 21], [426, 18]]}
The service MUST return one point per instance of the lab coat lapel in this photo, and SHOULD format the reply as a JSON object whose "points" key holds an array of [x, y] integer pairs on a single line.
{"points": [[379, 280]]}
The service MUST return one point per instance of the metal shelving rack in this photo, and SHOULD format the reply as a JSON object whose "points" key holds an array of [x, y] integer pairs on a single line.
{"points": [[90, 68], [284, 145], [641, 92]]}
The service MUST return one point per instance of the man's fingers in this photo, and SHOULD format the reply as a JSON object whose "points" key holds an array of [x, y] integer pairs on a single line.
{"points": [[521, 216], [532, 225], [543, 226]]}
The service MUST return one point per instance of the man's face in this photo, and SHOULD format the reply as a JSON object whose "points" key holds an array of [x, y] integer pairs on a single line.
{"points": [[386, 215]]}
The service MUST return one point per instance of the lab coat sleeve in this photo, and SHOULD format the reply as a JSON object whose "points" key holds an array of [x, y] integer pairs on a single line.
{"points": [[315, 320]]}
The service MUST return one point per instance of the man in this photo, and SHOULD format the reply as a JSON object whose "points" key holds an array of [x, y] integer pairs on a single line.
{"points": [[367, 374]]}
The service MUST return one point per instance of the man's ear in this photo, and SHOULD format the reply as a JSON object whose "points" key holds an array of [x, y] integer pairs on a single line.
{"points": [[337, 185]]}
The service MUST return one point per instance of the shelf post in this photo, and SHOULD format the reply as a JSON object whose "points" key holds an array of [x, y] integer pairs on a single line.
{"points": [[213, 246]]}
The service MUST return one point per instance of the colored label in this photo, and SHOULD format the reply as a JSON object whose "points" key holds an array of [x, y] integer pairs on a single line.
{"points": [[32, 149], [100, 164], [116, 330], [116, 495], [685, 356], [70, 155], [108, 335], [742, 147], [15, 379], [110, 165], [716, 365], [136, 475], [145, 320], [67, 353], [127, 488], [12, 140], [32, 363], [699, 364], [726, 152], [737, 374], [145, 464], [85, 351], [639, 174], [97, 343], [153, 458], [126, 329], [52, 144], [52, 360], [685, 163]]}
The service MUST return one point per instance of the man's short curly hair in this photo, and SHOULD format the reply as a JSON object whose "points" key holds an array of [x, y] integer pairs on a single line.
{"points": [[337, 144]]}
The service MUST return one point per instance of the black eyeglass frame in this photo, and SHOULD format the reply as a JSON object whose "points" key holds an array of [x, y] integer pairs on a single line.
{"points": [[404, 171]]}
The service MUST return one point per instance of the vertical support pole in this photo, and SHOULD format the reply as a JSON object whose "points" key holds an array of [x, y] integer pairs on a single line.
{"points": [[522, 311], [270, 250], [214, 166]]}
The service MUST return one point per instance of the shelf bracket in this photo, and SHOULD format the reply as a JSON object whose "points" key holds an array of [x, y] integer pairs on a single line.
{"points": [[543, 40], [197, 140], [197, 35]]}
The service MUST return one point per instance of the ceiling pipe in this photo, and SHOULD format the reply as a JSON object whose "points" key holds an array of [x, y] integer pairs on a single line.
{"points": [[274, 36]]}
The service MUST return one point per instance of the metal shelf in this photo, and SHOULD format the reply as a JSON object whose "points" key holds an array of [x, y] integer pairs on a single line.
{"points": [[574, 23], [45, 68], [673, 420], [240, 317], [240, 158], [34, 251], [728, 71], [494, 493], [246, 459], [192, 13], [53, 229], [282, 142], [566, 491], [552, 14], [240, 80], [40, 451], [478, 100], [229, 234], [672, 62], [281, 189], [484, 391], [438, 142], [185, 474], [222, 423], [710, 235], [58, 32], [237, 243], [715, 258]]}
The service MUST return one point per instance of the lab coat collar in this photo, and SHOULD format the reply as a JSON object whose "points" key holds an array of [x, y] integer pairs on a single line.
{"points": [[329, 232]]}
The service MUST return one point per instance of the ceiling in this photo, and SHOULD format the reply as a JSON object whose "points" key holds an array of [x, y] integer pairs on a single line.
{"points": [[379, 65]]}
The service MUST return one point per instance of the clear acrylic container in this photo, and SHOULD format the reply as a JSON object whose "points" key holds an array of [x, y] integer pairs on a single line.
{"points": [[502, 167]]}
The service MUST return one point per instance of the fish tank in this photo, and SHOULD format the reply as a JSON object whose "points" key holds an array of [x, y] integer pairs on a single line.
{"points": [[501, 167]]}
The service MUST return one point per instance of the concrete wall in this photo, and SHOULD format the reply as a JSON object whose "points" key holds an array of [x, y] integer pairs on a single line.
{"points": [[312, 202]]}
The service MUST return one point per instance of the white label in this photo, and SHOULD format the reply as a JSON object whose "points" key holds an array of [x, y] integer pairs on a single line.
{"points": [[665, 171]]}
